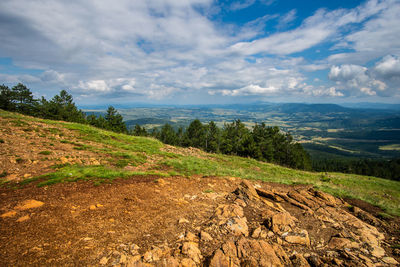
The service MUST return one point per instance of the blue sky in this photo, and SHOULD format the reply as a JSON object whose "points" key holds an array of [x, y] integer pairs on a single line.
{"points": [[203, 51]]}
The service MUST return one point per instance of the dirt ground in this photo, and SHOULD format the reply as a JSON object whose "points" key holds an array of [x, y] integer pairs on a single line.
{"points": [[80, 222]]}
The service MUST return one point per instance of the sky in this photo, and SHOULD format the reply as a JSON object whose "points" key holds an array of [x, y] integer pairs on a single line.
{"points": [[203, 51]]}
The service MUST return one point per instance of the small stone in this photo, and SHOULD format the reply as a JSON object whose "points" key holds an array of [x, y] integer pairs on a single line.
{"points": [[192, 251], [29, 204], [187, 263], [99, 206], [263, 234], [23, 218], [103, 261], [256, 233], [205, 236], [87, 239], [297, 238], [122, 259], [161, 182], [299, 260], [92, 207], [378, 252], [389, 260], [191, 237], [111, 220], [8, 214], [183, 220], [27, 175], [340, 243]]}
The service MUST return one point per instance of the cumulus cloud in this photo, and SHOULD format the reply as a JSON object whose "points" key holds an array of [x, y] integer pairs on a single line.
{"points": [[371, 82], [388, 67], [159, 49]]}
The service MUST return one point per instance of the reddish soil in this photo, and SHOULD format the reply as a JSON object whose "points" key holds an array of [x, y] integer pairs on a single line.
{"points": [[142, 211]]}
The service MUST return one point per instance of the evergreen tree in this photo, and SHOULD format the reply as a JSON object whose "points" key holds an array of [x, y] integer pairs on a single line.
{"points": [[195, 135], [213, 137], [168, 135], [6, 98], [23, 99], [115, 121], [139, 131]]}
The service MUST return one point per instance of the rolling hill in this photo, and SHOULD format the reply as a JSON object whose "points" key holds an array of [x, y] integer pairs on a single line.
{"points": [[72, 194]]}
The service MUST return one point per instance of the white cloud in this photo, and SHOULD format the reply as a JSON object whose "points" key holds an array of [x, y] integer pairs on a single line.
{"points": [[322, 91], [159, 49], [241, 4], [353, 73], [286, 19], [388, 67], [251, 90], [314, 30], [356, 78], [367, 91]]}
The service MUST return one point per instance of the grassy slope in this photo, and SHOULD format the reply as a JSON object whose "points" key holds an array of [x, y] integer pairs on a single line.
{"points": [[138, 150]]}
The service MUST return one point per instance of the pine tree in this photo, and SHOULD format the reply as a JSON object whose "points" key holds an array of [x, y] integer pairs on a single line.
{"points": [[23, 99], [115, 121], [6, 98]]}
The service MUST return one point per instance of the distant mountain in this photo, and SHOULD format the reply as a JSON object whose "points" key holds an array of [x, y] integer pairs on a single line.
{"points": [[367, 105]]}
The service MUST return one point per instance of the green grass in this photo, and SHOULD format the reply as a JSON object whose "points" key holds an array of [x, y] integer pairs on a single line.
{"points": [[46, 152], [123, 150], [97, 174]]}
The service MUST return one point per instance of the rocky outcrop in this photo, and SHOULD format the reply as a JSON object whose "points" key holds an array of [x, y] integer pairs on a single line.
{"points": [[268, 227]]}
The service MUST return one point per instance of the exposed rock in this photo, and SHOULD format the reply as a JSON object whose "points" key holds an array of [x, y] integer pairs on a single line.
{"points": [[191, 237], [281, 222], [246, 191], [192, 250], [269, 194], [341, 243], [238, 226], [299, 261], [365, 216], [300, 238], [256, 233], [329, 199], [389, 260], [187, 263], [205, 236], [256, 253], [303, 200], [103, 261], [152, 255], [378, 252]]}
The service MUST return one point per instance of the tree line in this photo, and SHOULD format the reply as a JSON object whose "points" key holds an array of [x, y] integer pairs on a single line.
{"points": [[388, 169], [261, 142], [61, 107]]}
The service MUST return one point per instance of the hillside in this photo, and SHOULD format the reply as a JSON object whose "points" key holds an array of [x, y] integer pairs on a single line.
{"points": [[72, 194]]}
